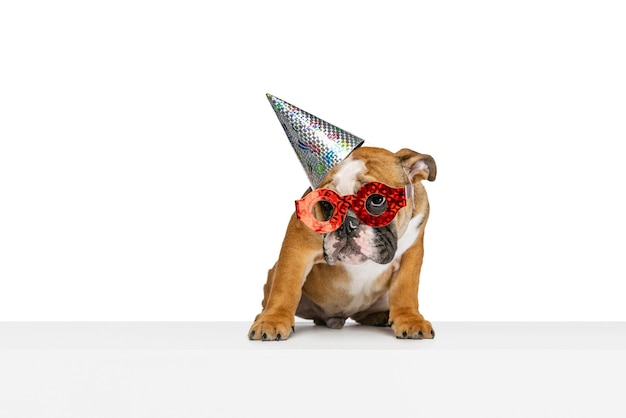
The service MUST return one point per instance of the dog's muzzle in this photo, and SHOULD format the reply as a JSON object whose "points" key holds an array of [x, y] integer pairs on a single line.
{"points": [[354, 242]]}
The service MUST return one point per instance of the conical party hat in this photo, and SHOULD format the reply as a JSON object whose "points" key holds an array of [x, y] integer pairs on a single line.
{"points": [[318, 144]]}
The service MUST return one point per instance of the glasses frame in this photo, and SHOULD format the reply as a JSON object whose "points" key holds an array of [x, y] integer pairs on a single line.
{"points": [[396, 198]]}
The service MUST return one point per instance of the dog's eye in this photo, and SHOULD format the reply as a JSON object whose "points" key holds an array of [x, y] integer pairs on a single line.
{"points": [[376, 204], [323, 210]]}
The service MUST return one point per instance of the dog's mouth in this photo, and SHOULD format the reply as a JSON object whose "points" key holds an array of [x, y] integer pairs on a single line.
{"points": [[348, 254], [376, 244]]}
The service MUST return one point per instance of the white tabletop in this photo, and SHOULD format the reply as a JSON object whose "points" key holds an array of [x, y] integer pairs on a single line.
{"points": [[211, 369], [233, 336]]}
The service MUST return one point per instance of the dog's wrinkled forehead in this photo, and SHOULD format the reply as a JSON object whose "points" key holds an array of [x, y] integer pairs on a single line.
{"points": [[346, 176]]}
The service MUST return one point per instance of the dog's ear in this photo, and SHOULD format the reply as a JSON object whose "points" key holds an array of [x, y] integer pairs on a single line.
{"points": [[417, 165]]}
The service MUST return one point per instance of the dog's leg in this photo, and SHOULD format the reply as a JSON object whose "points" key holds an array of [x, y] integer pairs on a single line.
{"points": [[333, 323], [282, 294], [377, 319], [404, 316], [283, 289]]}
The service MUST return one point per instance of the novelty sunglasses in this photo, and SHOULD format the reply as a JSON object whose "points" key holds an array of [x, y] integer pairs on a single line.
{"points": [[375, 204]]}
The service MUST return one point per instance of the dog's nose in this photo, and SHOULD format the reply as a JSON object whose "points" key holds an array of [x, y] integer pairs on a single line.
{"points": [[350, 225]]}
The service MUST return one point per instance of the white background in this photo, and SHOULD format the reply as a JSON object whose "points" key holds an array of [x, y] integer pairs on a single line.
{"points": [[144, 175]]}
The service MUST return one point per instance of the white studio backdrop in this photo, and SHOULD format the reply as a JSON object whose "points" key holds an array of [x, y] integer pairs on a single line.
{"points": [[144, 175]]}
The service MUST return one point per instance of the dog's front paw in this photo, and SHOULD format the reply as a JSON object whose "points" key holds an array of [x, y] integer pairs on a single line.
{"points": [[271, 327], [411, 326]]}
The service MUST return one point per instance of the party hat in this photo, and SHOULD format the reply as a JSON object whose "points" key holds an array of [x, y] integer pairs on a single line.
{"points": [[318, 144]]}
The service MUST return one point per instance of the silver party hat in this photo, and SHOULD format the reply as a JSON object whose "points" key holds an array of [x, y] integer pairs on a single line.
{"points": [[318, 144]]}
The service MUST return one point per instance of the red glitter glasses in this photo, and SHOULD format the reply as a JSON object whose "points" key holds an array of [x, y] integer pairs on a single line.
{"points": [[375, 204]]}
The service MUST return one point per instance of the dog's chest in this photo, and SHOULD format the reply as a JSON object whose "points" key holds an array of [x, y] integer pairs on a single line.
{"points": [[363, 278], [369, 281], [365, 284]]}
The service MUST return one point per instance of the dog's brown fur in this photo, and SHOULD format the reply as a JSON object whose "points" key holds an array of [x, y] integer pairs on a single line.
{"points": [[301, 273]]}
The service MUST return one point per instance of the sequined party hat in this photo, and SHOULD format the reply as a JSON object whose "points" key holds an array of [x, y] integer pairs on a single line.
{"points": [[318, 144]]}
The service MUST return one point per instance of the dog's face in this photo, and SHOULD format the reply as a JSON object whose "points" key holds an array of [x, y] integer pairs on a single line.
{"points": [[355, 242]]}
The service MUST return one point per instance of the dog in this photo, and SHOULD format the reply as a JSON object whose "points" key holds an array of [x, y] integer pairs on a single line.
{"points": [[333, 265]]}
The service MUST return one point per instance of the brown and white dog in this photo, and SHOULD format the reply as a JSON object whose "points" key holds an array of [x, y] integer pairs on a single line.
{"points": [[368, 274]]}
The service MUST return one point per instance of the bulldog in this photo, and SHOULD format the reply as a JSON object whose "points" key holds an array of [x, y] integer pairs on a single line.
{"points": [[353, 249]]}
